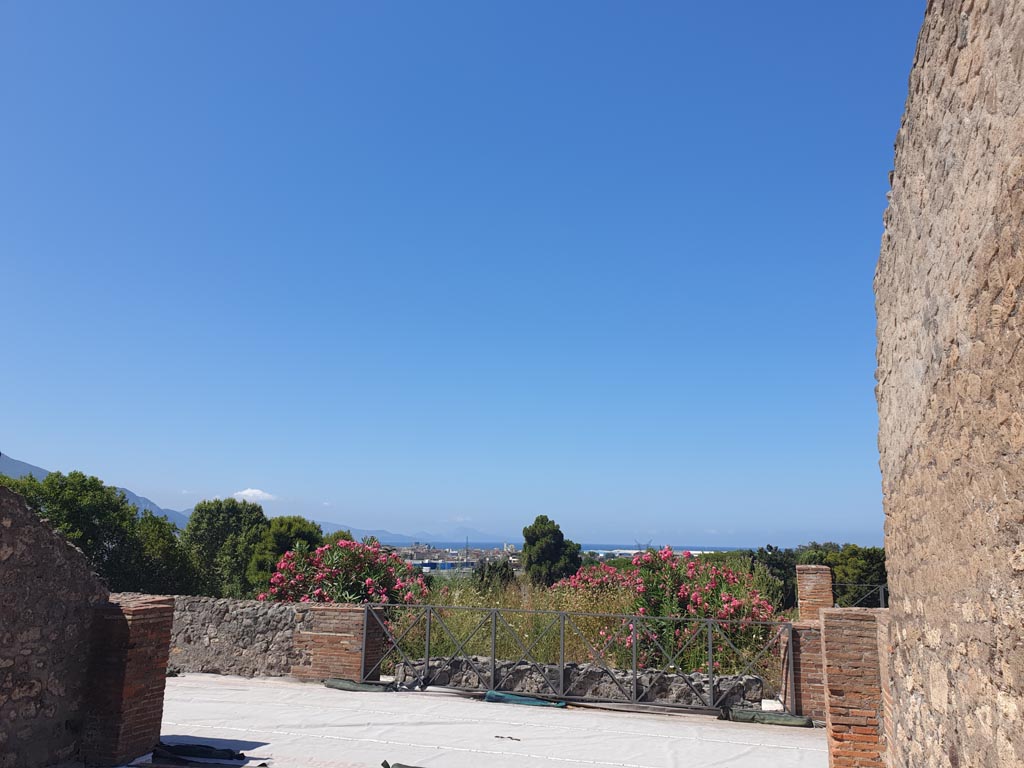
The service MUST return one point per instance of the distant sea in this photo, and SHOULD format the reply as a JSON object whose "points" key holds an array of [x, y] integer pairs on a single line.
{"points": [[584, 547]]}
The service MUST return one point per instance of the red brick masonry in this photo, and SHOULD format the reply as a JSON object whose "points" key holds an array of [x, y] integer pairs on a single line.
{"points": [[813, 590], [853, 687], [808, 681], [127, 674], [334, 639]]}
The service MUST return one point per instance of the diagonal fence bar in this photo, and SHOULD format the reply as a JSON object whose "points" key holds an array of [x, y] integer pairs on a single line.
{"points": [[690, 663]]}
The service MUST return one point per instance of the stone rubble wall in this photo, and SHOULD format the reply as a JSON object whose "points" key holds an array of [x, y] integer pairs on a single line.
{"points": [[48, 594], [248, 638], [950, 302], [587, 681]]}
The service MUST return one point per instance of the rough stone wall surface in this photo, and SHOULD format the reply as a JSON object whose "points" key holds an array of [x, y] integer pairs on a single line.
{"points": [[237, 637], [885, 680], [949, 291], [47, 597], [853, 689]]}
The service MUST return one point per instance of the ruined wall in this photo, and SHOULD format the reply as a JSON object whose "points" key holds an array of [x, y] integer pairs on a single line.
{"points": [[308, 641], [237, 637], [47, 597], [951, 392]]}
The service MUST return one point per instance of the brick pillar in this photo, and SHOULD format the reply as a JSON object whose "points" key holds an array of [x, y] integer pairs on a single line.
{"points": [[333, 637], [131, 640], [813, 590], [808, 684], [853, 688]]}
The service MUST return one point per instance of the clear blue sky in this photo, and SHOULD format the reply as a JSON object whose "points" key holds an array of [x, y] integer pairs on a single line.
{"points": [[414, 265]]}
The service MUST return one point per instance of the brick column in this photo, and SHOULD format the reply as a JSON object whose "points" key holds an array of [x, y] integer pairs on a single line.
{"points": [[813, 590], [333, 637], [131, 639], [808, 684], [853, 688]]}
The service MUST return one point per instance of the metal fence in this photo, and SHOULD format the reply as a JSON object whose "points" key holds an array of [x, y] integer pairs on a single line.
{"points": [[860, 595], [682, 663]]}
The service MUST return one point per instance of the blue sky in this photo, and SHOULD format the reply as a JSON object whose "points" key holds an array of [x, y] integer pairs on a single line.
{"points": [[420, 265]]}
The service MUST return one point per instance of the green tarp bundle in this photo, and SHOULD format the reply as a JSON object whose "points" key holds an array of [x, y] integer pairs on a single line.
{"points": [[498, 697], [341, 684], [198, 750], [766, 718]]}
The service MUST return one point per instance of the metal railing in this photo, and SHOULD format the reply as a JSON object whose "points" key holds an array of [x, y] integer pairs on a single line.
{"points": [[683, 663], [860, 595]]}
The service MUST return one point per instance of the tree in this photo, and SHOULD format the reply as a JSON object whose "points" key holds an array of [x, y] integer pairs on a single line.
{"points": [[280, 537], [220, 538], [780, 563], [856, 570], [166, 567], [547, 555], [340, 535], [131, 553], [493, 576]]}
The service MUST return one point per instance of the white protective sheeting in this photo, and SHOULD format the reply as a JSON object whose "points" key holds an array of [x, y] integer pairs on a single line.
{"points": [[304, 725]]}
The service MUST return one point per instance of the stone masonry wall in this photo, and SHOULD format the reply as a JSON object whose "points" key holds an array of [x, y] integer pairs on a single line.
{"points": [[950, 302], [47, 597], [237, 637], [249, 638]]}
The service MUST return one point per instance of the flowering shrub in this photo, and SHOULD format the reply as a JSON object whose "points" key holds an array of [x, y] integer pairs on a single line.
{"points": [[344, 572], [668, 584], [671, 585], [670, 593]]}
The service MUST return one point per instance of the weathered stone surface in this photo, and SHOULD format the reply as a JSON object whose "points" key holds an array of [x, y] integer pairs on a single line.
{"points": [[47, 597], [949, 292], [587, 681], [237, 637]]}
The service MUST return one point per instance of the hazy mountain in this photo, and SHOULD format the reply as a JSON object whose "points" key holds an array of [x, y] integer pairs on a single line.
{"points": [[180, 519], [14, 468]]}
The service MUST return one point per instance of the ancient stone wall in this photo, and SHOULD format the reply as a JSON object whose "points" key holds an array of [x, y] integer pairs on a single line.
{"points": [[237, 637], [249, 638], [949, 290], [47, 597]]}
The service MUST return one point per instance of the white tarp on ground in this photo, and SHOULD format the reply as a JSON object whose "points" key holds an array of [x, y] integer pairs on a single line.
{"points": [[302, 725]]}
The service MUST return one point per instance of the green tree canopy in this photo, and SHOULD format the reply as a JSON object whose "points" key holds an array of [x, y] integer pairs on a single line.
{"points": [[166, 569], [780, 563], [220, 538], [547, 555], [339, 535], [281, 536], [494, 575], [132, 553]]}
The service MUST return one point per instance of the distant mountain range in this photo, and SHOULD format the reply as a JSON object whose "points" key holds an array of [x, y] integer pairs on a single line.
{"points": [[14, 468]]}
